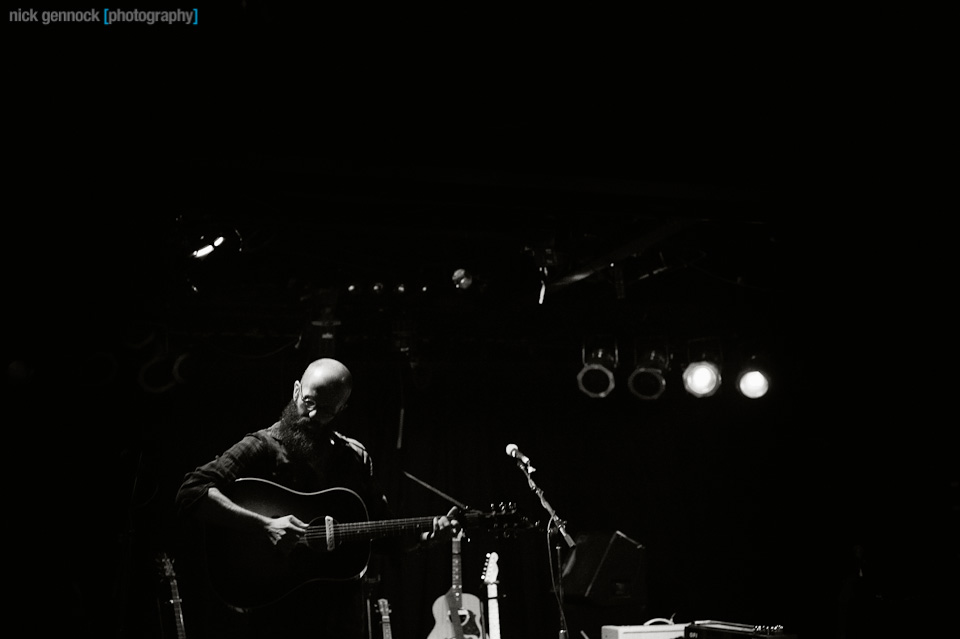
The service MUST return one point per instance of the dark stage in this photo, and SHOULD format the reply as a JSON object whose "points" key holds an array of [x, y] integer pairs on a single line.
{"points": [[827, 506]]}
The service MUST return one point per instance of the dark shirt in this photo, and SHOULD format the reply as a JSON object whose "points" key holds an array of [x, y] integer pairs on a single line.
{"points": [[345, 463]]}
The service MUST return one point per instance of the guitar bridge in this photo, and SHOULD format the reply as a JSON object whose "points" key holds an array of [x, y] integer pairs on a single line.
{"points": [[328, 526]]}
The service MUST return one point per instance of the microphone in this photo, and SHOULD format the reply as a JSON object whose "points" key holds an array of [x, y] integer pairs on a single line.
{"points": [[514, 451]]}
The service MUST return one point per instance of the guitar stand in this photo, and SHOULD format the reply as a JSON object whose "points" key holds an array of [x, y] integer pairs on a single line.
{"points": [[369, 583]]}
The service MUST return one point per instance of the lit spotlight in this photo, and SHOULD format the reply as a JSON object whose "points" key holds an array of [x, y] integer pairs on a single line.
{"points": [[753, 381], [207, 243], [203, 251], [208, 246], [701, 379]]}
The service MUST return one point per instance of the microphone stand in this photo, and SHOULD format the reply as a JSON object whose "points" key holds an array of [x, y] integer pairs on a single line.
{"points": [[555, 522], [558, 525]]}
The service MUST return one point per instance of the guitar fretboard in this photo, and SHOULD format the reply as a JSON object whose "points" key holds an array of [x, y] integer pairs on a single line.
{"points": [[457, 574], [493, 611], [369, 529], [177, 609]]}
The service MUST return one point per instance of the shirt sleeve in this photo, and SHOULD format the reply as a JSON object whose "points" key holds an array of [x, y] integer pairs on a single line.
{"points": [[237, 461]]}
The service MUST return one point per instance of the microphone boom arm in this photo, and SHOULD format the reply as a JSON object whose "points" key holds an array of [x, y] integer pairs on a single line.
{"points": [[555, 520], [453, 501]]}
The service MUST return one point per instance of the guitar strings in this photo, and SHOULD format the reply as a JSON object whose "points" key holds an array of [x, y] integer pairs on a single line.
{"points": [[361, 529], [367, 528]]}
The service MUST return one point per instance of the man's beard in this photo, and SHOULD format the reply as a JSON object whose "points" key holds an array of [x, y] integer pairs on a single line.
{"points": [[301, 436]]}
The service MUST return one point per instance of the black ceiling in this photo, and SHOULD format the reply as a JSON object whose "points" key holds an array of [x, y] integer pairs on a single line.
{"points": [[625, 239], [679, 227]]}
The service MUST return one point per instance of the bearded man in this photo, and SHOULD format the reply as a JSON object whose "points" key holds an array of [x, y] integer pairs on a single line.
{"points": [[277, 467]]}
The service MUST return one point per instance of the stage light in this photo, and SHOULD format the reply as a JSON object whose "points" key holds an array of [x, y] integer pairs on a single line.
{"points": [[221, 240], [462, 279], [596, 378], [647, 380], [753, 381], [543, 285], [210, 248], [701, 378], [205, 250]]}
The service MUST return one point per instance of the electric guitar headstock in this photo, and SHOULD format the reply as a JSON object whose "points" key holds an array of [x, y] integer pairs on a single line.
{"points": [[490, 573], [490, 568]]}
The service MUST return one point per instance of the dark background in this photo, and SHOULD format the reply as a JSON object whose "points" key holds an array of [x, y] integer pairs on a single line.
{"points": [[743, 202]]}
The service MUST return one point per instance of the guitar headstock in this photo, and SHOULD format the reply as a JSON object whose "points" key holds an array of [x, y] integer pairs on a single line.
{"points": [[490, 569], [384, 607], [166, 565], [502, 519]]}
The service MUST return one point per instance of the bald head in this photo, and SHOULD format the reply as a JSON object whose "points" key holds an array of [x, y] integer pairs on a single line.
{"points": [[328, 372], [323, 390]]}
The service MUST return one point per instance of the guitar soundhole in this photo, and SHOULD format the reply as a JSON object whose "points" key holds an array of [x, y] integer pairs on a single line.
{"points": [[468, 622], [316, 537]]}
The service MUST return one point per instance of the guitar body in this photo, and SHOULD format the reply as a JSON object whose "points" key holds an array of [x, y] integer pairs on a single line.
{"points": [[247, 571], [456, 614], [468, 617]]}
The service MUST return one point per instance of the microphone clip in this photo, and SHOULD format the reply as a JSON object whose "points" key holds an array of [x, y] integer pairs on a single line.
{"points": [[525, 467]]}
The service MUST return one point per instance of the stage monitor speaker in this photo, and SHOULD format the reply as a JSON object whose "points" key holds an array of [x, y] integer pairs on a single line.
{"points": [[606, 569]]}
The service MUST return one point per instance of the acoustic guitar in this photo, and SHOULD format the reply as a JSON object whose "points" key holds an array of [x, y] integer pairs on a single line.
{"points": [[246, 571], [490, 573], [456, 614]]}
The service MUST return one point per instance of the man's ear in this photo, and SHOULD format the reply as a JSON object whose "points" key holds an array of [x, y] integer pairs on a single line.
{"points": [[296, 389]]}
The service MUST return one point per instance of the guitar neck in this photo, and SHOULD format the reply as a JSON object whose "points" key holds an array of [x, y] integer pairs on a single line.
{"points": [[455, 595], [490, 571], [177, 609], [493, 611], [456, 576], [167, 566], [385, 619], [343, 532]]}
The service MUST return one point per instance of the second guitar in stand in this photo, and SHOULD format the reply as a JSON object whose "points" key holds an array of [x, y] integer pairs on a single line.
{"points": [[456, 614]]}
